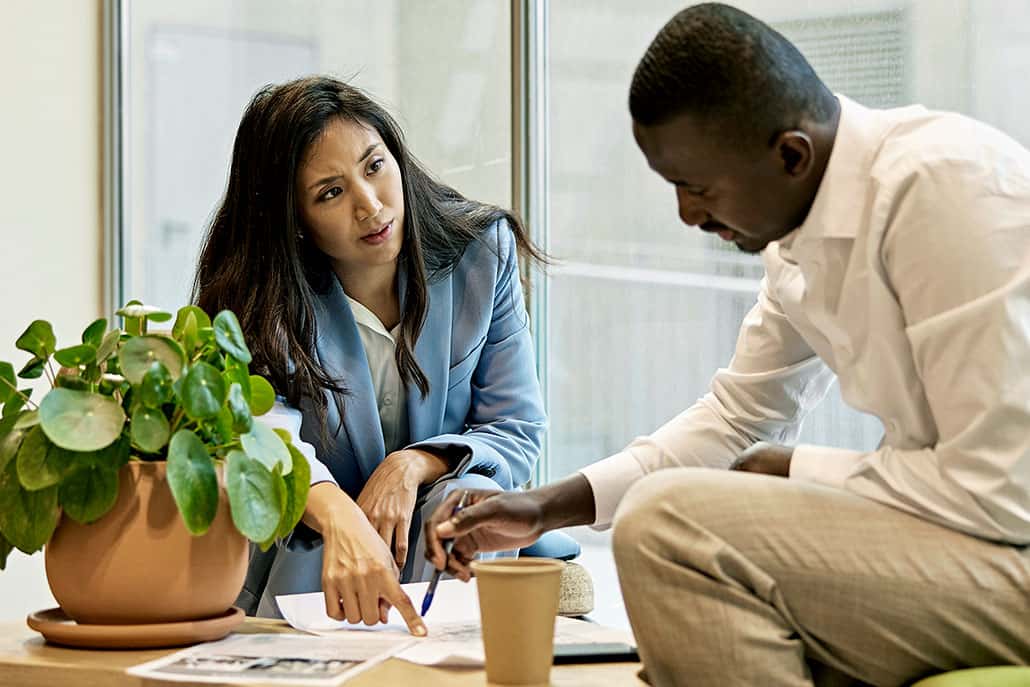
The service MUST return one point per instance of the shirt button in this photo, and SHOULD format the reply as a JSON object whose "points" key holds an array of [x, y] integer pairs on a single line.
{"points": [[388, 400]]}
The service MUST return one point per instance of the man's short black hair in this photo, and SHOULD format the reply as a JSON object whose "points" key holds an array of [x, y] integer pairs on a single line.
{"points": [[729, 69]]}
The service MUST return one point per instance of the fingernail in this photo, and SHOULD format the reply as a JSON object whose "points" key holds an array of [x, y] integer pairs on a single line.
{"points": [[445, 529], [420, 630]]}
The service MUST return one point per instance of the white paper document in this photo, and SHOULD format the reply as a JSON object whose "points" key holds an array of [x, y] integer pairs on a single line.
{"points": [[274, 659], [453, 623]]}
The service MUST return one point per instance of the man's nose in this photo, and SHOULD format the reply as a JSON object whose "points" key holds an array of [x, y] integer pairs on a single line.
{"points": [[367, 203], [691, 211]]}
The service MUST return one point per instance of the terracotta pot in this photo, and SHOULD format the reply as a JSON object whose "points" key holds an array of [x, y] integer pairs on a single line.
{"points": [[139, 564]]}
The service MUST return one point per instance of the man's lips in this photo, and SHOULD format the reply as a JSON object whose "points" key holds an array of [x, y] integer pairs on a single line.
{"points": [[724, 232]]}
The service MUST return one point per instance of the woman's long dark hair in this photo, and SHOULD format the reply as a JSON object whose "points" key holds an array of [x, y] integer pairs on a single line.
{"points": [[257, 262]]}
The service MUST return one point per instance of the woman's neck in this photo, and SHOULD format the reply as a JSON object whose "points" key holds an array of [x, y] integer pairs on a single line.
{"points": [[376, 289]]}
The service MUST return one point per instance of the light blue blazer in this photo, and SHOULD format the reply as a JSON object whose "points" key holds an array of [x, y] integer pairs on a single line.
{"points": [[475, 349]]}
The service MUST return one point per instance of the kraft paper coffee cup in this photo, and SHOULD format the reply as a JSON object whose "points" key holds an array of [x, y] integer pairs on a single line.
{"points": [[518, 604]]}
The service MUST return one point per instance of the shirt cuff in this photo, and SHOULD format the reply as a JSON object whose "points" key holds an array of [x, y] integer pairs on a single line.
{"points": [[610, 479], [824, 464]]}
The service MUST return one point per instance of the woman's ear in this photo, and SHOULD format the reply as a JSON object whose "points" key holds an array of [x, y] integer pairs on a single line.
{"points": [[795, 151]]}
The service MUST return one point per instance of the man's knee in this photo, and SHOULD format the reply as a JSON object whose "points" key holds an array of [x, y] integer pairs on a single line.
{"points": [[635, 518], [655, 502]]}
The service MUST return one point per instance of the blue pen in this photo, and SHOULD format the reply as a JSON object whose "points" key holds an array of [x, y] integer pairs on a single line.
{"points": [[448, 545]]}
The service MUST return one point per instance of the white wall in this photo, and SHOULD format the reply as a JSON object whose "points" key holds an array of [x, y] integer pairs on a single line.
{"points": [[50, 221]]}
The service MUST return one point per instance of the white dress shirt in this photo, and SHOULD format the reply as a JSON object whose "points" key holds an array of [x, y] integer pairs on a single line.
{"points": [[909, 280]]}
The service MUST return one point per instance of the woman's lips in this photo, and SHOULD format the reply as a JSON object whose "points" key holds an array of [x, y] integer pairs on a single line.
{"points": [[727, 235], [380, 236]]}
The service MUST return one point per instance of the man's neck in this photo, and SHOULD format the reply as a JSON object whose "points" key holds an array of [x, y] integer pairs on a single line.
{"points": [[823, 137]]}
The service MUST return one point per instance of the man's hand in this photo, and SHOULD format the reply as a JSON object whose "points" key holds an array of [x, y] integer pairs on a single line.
{"points": [[765, 459], [490, 521], [504, 520]]}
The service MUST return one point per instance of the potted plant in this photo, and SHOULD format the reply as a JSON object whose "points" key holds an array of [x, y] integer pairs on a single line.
{"points": [[142, 469]]}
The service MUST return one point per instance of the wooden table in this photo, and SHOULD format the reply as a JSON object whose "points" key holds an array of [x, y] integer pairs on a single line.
{"points": [[27, 661]]}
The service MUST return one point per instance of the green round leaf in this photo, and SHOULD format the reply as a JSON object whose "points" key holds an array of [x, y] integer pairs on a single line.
{"points": [[262, 395], [230, 337], [40, 463], [16, 402], [159, 316], [155, 389], [80, 420], [33, 369], [27, 518], [8, 383], [114, 456], [220, 427], [262, 444], [9, 444], [203, 391], [72, 381], [241, 418], [108, 345], [256, 497], [298, 483], [89, 492], [149, 429], [5, 550], [206, 335], [38, 339], [200, 319], [27, 419], [139, 353], [94, 333], [239, 373], [192, 479], [73, 356]]}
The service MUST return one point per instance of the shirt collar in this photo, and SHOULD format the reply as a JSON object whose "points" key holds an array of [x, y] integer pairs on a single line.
{"points": [[366, 318], [837, 209]]}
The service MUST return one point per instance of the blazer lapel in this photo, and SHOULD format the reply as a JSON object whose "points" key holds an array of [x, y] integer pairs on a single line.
{"points": [[432, 351], [343, 356]]}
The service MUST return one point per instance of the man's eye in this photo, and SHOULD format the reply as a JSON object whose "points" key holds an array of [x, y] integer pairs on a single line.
{"points": [[331, 193]]}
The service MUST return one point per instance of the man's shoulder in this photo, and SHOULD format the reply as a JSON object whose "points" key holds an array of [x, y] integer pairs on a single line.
{"points": [[935, 144]]}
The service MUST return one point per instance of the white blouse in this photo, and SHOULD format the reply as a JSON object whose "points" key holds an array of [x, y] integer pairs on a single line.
{"points": [[391, 398]]}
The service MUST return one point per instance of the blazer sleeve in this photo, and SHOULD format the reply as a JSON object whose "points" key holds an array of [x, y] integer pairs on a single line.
{"points": [[506, 421]]}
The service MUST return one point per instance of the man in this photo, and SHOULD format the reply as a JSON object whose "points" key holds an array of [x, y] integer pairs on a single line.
{"points": [[897, 252]]}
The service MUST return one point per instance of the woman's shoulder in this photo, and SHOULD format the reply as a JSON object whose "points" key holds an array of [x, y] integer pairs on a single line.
{"points": [[493, 248]]}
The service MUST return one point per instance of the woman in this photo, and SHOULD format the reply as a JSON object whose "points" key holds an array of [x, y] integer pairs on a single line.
{"points": [[386, 310]]}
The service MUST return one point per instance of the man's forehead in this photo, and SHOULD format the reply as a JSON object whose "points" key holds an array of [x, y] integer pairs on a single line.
{"points": [[669, 152]]}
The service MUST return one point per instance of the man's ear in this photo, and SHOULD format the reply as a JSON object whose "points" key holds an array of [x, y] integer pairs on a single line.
{"points": [[795, 151]]}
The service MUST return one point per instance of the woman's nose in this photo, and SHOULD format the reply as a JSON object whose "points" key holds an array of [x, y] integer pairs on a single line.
{"points": [[367, 203]]}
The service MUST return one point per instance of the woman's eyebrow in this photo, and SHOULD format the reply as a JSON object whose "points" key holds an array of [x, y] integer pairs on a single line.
{"points": [[334, 177]]}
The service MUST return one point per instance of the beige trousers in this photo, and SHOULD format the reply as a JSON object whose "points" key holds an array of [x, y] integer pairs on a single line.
{"points": [[733, 578]]}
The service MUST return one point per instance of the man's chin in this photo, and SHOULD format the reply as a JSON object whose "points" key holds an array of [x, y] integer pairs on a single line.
{"points": [[751, 246]]}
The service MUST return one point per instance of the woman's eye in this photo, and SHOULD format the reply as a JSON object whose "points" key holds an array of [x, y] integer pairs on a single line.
{"points": [[331, 193], [376, 165]]}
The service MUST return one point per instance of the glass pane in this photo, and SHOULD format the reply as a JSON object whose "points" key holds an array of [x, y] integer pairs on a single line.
{"points": [[643, 309], [442, 67]]}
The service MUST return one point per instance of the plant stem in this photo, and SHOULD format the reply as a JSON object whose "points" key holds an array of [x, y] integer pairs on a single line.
{"points": [[18, 391], [176, 419]]}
